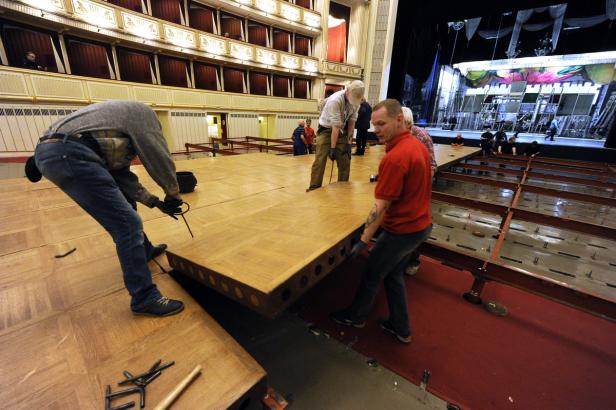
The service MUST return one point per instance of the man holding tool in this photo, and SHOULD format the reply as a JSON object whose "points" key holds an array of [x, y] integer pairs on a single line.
{"points": [[402, 208], [88, 155], [335, 133]]}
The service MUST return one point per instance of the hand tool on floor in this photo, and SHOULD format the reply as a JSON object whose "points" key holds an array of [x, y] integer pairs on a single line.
{"points": [[171, 397]]}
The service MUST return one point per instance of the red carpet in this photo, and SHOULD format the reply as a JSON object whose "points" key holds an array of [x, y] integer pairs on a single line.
{"points": [[543, 355]]}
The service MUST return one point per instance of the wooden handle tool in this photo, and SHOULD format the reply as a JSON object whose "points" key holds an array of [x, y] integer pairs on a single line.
{"points": [[177, 390]]}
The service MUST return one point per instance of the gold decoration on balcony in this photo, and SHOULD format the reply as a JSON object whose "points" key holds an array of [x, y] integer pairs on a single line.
{"points": [[289, 12], [140, 26], [266, 57], [311, 19], [179, 37], [50, 5], [268, 6], [95, 13], [288, 61], [241, 51], [213, 45]]}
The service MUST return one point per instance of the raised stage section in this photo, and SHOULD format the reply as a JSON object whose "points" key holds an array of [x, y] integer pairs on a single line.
{"points": [[66, 329]]}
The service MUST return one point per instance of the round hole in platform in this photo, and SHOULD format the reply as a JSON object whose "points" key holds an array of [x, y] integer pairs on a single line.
{"points": [[212, 280], [238, 293], [318, 269], [343, 251], [286, 294], [331, 259], [224, 286], [201, 274], [254, 300], [303, 281]]}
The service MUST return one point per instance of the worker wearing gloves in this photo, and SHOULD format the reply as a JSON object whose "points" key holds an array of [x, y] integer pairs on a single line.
{"points": [[88, 155], [335, 133], [402, 209]]}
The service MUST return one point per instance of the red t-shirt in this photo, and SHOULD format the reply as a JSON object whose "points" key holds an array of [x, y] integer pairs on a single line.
{"points": [[309, 133], [405, 180]]}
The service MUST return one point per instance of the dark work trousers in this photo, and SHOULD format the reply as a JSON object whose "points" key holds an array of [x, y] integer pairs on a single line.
{"points": [[361, 138], [387, 261], [146, 242]]}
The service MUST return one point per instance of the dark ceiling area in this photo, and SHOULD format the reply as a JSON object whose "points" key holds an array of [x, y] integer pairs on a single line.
{"points": [[422, 31]]}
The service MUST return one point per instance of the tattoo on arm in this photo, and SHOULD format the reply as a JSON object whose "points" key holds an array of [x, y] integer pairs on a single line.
{"points": [[372, 215]]}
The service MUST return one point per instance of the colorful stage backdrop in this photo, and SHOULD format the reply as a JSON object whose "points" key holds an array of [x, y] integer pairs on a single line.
{"points": [[597, 73]]}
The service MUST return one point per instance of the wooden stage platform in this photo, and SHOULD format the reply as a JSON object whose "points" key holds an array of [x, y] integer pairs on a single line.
{"points": [[66, 329], [269, 248]]}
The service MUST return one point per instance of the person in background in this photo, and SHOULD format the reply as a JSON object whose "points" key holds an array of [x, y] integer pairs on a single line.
{"points": [[309, 133], [553, 130], [532, 149], [402, 209], [485, 142], [335, 133], [88, 154], [499, 137], [299, 139], [508, 147], [31, 63], [458, 141], [422, 135], [362, 125]]}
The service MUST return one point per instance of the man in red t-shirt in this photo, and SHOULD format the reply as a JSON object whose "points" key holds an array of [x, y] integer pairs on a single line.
{"points": [[309, 133], [402, 208]]}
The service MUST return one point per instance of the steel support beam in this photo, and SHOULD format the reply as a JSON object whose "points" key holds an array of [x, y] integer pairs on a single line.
{"points": [[477, 180], [551, 289], [556, 161]]}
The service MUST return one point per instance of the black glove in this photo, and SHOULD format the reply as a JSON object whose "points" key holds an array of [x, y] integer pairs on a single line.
{"points": [[347, 150], [332, 154], [170, 206], [357, 249]]}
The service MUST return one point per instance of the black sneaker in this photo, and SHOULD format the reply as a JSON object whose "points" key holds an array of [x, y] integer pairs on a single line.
{"points": [[342, 317], [157, 251], [161, 307], [387, 326]]}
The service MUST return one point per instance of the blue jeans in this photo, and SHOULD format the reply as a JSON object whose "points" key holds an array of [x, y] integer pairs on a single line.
{"points": [[82, 175], [387, 261]]}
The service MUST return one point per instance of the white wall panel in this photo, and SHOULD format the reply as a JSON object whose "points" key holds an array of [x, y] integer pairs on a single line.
{"points": [[285, 124], [188, 127], [241, 125], [22, 125]]}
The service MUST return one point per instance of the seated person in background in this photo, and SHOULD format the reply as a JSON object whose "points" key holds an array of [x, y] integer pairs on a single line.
{"points": [[532, 149], [508, 147], [499, 137], [31, 63], [458, 141]]}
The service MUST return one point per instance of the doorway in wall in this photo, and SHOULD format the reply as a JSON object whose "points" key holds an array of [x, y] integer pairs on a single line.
{"points": [[267, 125]]}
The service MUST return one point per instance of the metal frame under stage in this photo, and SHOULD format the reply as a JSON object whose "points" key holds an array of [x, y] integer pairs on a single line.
{"points": [[596, 295]]}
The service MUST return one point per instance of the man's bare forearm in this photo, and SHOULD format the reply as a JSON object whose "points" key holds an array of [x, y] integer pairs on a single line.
{"points": [[373, 221], [350, 131], [335, 134]]}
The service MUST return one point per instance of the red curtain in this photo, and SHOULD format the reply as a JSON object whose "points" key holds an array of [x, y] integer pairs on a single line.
{"points": [[234, 80], [257, 34], [205, 76], [172, 71], [87, 59], [258, 83], [134, 5], [300, 88], [281, 86], [19, 40], [201, 18], [303, 3], [333, 87], [134, 66], [281, 40], [336, 43], [302, 45], [167, 10], [231, 25]]}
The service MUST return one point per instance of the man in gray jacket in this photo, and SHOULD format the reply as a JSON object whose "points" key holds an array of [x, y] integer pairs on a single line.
{"points": [[88, 155]]}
